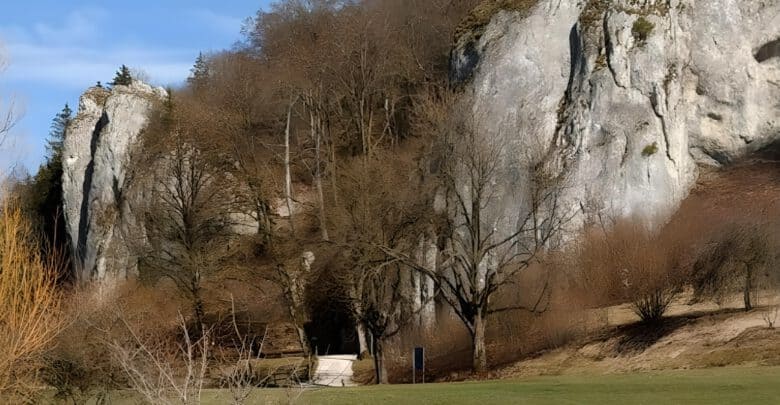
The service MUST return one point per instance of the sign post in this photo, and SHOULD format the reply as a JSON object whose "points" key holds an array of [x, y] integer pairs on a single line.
{"points": [[418, 364]]}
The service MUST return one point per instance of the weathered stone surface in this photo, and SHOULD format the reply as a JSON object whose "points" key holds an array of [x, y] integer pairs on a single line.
{"points": [[107, 193], [627, 113], [97, 152]]}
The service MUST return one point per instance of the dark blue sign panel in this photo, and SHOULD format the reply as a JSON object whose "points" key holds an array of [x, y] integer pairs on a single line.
{"points": [[419, 361]]}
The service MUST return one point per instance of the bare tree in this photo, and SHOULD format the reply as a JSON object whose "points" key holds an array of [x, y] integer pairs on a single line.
{"points": [[246, 112], [189, 220], [8, 114], [161, 374], [293, 278], [387, 308], [737, 259], [379, 206], [240, 379], [486, 244], [287, 168]]}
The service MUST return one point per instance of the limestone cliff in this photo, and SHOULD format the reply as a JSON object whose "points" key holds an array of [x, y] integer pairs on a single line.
{"points": [[96, 161], [626, 97]]}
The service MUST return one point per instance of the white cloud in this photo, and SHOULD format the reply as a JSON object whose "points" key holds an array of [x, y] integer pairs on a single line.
{"points": [[70, 55], [79, 26], [73, 67]]}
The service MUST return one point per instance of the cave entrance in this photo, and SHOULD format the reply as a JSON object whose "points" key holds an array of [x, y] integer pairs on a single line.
{"points": [[332, 330], [768, 51]]}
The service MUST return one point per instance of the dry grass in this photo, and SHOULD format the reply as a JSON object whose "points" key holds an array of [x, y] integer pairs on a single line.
{"points": [[474, 24], [363, 371], [29, 304]]}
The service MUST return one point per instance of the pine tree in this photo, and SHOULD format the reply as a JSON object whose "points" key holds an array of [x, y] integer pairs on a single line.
{"points": [[42, 194], [123, 77], [199, 74], [59, 126]]}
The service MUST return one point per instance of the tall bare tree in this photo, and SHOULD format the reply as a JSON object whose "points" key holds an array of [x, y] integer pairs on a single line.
{"points": [[387, 308], [487, 244], [190, 216], [8, 113]]}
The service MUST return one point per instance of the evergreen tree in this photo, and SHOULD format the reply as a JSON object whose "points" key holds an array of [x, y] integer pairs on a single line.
{"points": [[42, 194], [199, 74], [123, 77], [57, 133]]}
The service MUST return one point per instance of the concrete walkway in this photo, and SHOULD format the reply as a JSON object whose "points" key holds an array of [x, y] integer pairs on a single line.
{"points": [[334, 371]]}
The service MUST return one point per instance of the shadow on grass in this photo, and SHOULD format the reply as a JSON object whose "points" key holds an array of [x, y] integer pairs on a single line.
{"points": [[635, 338]]}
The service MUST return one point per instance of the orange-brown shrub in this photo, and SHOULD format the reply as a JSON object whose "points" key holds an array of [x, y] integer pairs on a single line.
{"points": [[79, 364], [629, 262], [29, 305], [539, 310], [739, 257], [447, 349]]}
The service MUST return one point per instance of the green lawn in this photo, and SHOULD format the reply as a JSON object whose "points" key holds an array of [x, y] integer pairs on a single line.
{"points": [[756, 385], [712, 386]]}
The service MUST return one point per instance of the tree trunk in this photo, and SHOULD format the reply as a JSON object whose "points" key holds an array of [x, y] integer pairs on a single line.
{"points": [[200, 314], [478, 345], [748, 287], [287, 174], [294, 308], [379, 362], [362, 341], [304, 342], [318, 181]]}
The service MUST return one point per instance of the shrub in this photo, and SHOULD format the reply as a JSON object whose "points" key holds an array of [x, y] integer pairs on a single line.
{"points": [[78, 364], [650, 150], [642, 29], [447, 350], [474, 23], [770, 317], [163, 373], [29, 305], [630, 263], [737, 259]]}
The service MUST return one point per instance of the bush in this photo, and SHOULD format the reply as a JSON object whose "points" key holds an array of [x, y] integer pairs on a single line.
{"points": [[736, 259], [78, 364], [650, 150], [29, 305], [480, 16], [629, 263], [642, 29], [447, 350]]}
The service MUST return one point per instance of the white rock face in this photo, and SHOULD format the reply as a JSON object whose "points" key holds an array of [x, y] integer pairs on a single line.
{"points": [[627, 119], [97, 152]]}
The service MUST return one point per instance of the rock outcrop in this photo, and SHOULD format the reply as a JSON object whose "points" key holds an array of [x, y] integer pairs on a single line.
{"points": [[96, 162], [627, 98]]}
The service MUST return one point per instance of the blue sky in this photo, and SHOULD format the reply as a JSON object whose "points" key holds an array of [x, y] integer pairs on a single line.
{"points": [[56, 49]]}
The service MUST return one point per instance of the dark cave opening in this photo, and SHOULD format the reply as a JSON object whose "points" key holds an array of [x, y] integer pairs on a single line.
{"points": [[770, 152], [768, 51], [332, 331]]}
